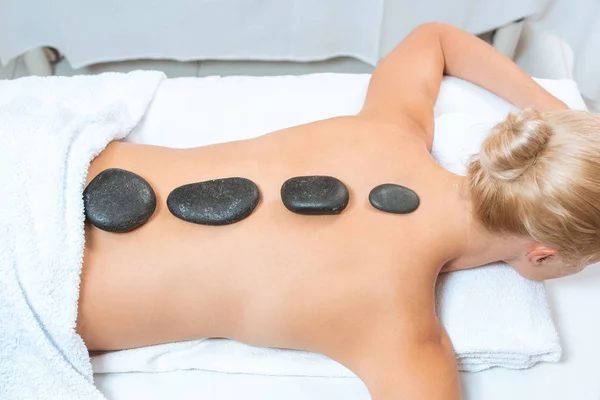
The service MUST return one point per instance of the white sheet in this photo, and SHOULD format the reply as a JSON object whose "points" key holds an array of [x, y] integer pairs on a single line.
{"points": [[112, 30], [574, 299]]}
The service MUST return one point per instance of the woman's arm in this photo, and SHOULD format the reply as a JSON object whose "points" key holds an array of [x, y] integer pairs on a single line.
{"points": [[406, 83], [472, 59], [414, 370]]}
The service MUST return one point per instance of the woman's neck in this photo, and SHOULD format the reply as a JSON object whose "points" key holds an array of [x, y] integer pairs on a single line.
{"points": [[479, 246], [482, 248]]}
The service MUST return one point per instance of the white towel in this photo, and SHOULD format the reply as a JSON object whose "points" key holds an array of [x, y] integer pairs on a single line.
{"points": [[50, 129], [493, 316]]}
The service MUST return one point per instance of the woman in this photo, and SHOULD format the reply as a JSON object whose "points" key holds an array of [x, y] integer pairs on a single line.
{"points": [[357, 286]]}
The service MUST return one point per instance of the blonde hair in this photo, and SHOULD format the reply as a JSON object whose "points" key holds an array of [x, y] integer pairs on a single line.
{"points": [[538, 175]]}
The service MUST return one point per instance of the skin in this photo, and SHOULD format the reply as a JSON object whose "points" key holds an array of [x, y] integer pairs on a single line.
{"points": [[358, 286]]}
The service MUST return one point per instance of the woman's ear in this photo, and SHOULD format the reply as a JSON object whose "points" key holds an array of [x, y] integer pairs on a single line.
{"points": [[540, 253]]}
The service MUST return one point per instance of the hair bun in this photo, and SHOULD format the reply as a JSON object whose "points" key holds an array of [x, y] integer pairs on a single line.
{"points": [[515, 145]]}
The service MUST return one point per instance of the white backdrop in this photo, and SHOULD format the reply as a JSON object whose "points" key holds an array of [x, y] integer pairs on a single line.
{"points": [[88, 32], [578, 23]]}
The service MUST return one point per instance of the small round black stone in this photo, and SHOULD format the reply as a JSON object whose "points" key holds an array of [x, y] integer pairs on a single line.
{"points": [[315, 195], [394, 199], [215, 202], [118, 201]]}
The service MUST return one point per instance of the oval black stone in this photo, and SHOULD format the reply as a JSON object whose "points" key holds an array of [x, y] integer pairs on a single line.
{"points": [[394, 199], [315, 195], [215, 202], [117, 200]]}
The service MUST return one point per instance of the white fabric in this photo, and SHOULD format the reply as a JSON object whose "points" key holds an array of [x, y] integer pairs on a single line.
{"points": [[578, 23], [176, 117], [503, 321], [207, 385], [50, 130], [251, 106], [113, 30], [401, 16], [542, 53]]}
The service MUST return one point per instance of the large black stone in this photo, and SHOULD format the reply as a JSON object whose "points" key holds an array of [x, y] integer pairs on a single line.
{"points": [[118, 201], [315, 195], [215, 202], [394, 199]]}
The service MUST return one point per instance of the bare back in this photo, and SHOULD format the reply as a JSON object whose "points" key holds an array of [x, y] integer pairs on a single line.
{"points": [[276, 278]]}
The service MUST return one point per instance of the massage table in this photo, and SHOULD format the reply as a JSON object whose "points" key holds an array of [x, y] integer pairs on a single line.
{"points": [[260, 105]]}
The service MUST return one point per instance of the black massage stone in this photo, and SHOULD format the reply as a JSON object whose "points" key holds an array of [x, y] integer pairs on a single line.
{"points": [[394, 199], [215, 202], [315, 195], [118, 201]]}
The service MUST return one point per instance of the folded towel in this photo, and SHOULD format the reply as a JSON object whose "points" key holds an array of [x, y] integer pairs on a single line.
{"points": [[50, 129], [496, 318], [493, 316]]}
